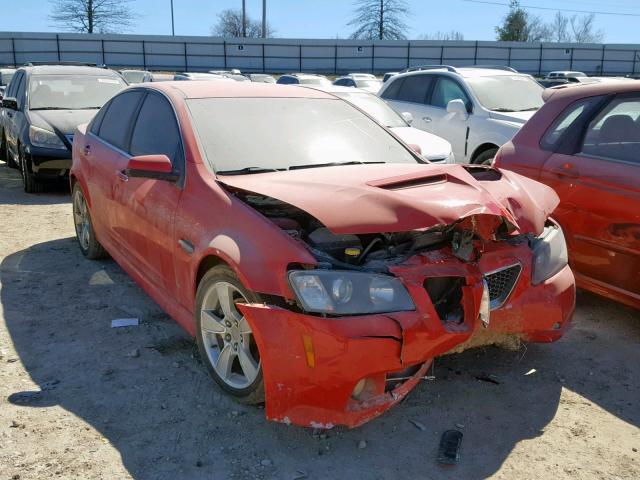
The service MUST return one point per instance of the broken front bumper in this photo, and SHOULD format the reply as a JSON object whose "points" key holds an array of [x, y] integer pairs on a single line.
{"points": [[321, 372]]}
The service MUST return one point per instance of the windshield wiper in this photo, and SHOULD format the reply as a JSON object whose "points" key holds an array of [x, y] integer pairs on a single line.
{"points": [[530, 109], [50, 108], [502, 110], [331, 164], [246, 170]]}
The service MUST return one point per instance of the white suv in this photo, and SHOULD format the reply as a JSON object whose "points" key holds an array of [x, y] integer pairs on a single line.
{"points": [[477, 109]]}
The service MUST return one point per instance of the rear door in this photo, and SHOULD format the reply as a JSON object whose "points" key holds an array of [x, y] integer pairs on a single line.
{"points": [[599, 188], [410, 94], [146, 207], [14, 118]]}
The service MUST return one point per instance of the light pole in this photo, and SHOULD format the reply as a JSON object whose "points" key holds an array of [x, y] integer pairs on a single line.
{"points": [[173, 30], [244, 19], [264, 18]]}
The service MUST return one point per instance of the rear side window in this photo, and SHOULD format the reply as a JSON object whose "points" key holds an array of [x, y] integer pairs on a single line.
{"points": [[414, 89], [563, 123], [615, 132], [156, 131], [97, 120], [391, 92], [447, 90], [116, 123]]}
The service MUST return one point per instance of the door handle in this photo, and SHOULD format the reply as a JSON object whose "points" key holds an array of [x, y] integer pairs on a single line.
{"points": [[427, 119], [122, 175], [87, 149], [566, 170], [187, 246]]}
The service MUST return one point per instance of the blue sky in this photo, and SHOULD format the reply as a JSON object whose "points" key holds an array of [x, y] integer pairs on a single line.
{"points": [[329, 18]]}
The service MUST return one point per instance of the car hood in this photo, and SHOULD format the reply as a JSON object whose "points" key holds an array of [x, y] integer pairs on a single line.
{"points": [[433, 147], [64, 121], [362, 199], [514, 117]]}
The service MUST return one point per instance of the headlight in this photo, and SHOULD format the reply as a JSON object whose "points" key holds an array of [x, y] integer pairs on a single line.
{"points": [[349, 293], [549, 253], [40, 137]]}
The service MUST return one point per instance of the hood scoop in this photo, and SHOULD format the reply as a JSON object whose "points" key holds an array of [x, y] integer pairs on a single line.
{"points": [[409, 181]]}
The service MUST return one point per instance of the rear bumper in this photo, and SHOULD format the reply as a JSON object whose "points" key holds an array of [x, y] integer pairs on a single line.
{"points": [[311, 365]]}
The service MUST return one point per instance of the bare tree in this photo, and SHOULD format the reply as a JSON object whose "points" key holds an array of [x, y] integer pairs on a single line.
{"points": [[583, 29], [230, 25], [559, 28], [452, 35], [380, 20], [92, 16]]}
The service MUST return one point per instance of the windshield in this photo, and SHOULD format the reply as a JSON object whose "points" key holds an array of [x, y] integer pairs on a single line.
{"points": [[368, 83], [134, 76], [507, 93], [315, 81], [5, 78], [71, 92], [287, 132], [375, 107]]}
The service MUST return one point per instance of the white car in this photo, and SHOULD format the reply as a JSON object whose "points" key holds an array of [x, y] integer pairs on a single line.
{"points": [[363, 81], [303, 79], [432, 147], [477, 109]]}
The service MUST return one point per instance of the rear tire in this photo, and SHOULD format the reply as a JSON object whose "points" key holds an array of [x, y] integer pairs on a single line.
{"points": [[486, 158], [29, 183], [224, 338], [89, 245], [5, 154]]}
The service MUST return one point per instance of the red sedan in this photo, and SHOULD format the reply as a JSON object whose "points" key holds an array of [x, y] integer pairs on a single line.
{"points": [[320, 263], [585, 144]]}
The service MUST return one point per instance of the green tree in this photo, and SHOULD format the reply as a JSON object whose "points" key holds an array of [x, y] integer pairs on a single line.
{"points": [[514, 27]]}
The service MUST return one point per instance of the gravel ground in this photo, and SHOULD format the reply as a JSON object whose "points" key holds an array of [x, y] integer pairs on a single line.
{"points": [[79, 399]]}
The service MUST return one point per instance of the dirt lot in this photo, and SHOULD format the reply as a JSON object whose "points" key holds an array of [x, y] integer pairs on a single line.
{"points": [[77, 401]]}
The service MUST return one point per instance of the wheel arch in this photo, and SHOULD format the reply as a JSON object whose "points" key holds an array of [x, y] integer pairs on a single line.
{"points": [[481, 149]]}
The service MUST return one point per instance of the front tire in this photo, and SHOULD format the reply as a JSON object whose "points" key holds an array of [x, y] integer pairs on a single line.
{"points": [[89, 245], [225, 340], [29, 183], [486, 158]]}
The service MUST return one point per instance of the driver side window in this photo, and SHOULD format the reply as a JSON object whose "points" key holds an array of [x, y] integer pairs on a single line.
{"points": [[447, 90], [156, 131]]}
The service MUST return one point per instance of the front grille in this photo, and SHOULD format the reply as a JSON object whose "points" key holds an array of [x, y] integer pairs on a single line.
{"points": [[501, 283]]}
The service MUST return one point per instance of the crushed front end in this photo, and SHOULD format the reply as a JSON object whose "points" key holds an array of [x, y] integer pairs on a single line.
{"points": [[362, 326]]}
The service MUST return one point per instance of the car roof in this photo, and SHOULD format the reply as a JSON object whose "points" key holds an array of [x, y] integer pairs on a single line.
{"points": [[69, 70], [217, 89], [576, 91], [335, 89], [465, 72]]}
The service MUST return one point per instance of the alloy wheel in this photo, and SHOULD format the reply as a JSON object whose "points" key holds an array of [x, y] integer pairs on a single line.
{"points": [[81, 220], [227, 336]]}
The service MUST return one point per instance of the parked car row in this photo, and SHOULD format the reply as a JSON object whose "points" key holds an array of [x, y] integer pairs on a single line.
{"points": [[322, 263]]}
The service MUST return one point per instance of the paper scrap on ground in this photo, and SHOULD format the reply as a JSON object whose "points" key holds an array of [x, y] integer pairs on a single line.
{"points": [[124, 322]]}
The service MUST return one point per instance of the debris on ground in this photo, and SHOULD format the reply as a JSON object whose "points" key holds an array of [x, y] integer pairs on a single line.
{"points": [[488, 378], [449, 449], [124, 322], [362, 444], [135, 353], [418, 425], [531, 372]]}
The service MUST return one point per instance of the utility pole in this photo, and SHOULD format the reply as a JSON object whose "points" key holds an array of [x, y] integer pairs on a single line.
{"points": [[264, 18], [173, 30], [244, 19]]}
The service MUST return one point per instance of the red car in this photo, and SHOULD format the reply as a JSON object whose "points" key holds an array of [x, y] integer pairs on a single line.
{"points": [[319, 262], [585, 144]]}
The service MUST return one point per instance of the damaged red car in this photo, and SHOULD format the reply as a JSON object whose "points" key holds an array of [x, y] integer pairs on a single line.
{"points": [[319, 262]]}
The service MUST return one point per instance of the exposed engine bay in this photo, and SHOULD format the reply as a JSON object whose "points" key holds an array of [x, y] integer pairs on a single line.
{"points": [[367, 252]]}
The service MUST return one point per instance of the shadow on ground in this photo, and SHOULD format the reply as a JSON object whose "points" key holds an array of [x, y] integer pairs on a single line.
{"points": [[167, 418]]}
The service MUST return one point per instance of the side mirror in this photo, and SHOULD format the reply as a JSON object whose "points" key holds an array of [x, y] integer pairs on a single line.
{"points": [[10, 103], [157, 167], [407, 117], [458, 107]]}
